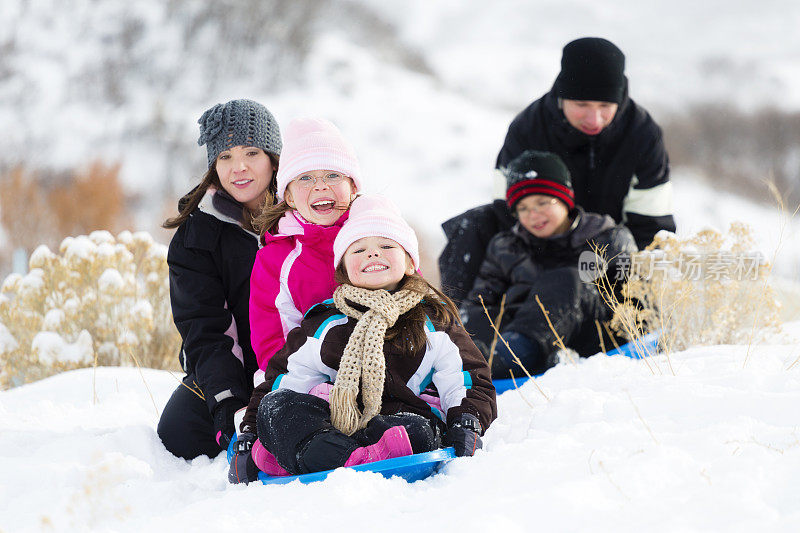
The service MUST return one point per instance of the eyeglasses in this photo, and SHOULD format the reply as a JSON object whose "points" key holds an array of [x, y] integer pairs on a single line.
{"points": [[307, 181], [536, 207]]}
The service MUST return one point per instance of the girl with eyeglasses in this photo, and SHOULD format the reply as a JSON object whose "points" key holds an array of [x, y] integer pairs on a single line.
{"points": [[317, 180]]}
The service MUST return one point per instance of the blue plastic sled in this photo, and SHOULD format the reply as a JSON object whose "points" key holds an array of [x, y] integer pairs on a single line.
{"points": [[411, 468], [636, 349]]}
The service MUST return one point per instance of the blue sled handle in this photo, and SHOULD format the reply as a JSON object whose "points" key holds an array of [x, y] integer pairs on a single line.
{"points": [[638, 348], [230, 446]]}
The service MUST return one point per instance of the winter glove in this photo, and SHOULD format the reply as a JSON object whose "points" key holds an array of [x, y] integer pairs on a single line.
{"points": [[243, 469], [223, 421], [463, 435]]}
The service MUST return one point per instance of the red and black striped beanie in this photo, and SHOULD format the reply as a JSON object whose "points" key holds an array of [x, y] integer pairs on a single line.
{"points": [[534, 172]]}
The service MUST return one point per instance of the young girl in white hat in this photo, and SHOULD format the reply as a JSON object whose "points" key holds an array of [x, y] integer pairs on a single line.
{"points": [[380, 371]]}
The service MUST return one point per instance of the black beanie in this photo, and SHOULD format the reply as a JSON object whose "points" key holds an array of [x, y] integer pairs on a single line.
{"points": [[592, 68], [534, 172]]}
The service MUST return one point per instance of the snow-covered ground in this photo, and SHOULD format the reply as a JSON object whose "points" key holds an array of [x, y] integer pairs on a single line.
{"points": [[699, 442]]}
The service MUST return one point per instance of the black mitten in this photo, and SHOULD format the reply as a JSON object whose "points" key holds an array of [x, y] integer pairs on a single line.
{"points": [[243, 469], [223, 421], [463, 435]]}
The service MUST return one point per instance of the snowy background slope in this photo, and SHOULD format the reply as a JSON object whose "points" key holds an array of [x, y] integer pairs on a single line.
{"points": [[425, 90]]}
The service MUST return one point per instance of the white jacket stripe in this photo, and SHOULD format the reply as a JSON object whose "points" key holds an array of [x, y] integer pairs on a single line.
{"points": [[287, 310], [655, 201]]}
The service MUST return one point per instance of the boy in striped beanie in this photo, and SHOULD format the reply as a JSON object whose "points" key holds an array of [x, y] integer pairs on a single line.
{"points": [[543, 260], [539, 193]]}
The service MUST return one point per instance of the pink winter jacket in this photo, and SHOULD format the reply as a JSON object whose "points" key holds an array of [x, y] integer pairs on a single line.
{"points": [[292, 272]]}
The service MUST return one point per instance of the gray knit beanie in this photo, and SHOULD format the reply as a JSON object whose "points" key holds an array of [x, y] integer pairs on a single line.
{"points": [[238, 123]]}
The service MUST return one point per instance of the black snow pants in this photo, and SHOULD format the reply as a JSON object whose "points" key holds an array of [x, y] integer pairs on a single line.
{"points": [[186, 427], [296, 428]]}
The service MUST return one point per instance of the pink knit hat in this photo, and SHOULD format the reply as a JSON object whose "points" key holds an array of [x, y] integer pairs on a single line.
{"points": [[315, 144], [374, 215]]}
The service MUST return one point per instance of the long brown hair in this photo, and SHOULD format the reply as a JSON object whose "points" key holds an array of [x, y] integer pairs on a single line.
{"points": [[267, 220], [408, 333], [191, 200]]}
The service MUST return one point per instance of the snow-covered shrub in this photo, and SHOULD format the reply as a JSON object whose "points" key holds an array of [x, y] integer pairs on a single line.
{"points": [[710, 288], [100, 300]]}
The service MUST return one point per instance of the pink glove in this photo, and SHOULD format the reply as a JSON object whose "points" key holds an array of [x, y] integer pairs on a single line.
{"points": [[433, 401], [323, 390]]}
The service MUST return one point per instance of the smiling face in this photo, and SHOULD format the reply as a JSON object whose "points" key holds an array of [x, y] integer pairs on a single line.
{"points": [[320, 202], [377, 263], [245, 173], [542, 215], [589, 116]]}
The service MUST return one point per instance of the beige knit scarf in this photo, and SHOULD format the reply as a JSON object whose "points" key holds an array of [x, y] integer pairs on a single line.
{"points": [[363, 357]]}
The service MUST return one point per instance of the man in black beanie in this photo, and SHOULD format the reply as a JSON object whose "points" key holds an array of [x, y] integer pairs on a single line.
{"points": [[611, 146]]}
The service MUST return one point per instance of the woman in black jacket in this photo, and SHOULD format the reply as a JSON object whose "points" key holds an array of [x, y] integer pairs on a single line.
{"points": [[210, 259], [540, 256]]}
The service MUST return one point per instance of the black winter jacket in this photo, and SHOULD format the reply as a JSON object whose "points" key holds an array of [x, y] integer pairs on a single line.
{"points": [[210, 259], [627, 157], [520, 265], [622, 172]]}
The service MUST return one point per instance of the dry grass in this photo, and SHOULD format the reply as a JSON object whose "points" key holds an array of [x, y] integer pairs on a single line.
{"points": [[710, 288], [513, 355], [97, 300], [498, 320]]}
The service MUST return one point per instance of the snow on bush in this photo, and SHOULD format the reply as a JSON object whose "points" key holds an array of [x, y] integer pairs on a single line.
{"points": [[100, 300], [51, 349], [706, 289]]}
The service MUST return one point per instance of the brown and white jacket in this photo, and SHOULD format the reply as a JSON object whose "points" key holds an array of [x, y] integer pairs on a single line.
{"points": [[446, 377]]}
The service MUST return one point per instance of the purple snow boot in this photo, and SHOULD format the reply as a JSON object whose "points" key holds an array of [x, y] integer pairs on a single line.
{"points": [[393, 443]]}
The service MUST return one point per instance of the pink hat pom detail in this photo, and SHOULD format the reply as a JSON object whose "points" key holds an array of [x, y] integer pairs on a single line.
{"points": [[374, 215], [315, 144]]}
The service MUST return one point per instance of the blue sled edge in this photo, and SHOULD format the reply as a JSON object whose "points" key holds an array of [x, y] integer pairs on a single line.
{"points": [[411, 468], [636, 349]]}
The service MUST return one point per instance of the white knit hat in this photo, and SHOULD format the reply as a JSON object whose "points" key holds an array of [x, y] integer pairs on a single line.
{"points": [[315, 144], [374, 215]]}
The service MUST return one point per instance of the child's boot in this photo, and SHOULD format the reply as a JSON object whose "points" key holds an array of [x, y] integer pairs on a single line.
{"points": [[265, 461], [393, 443]]}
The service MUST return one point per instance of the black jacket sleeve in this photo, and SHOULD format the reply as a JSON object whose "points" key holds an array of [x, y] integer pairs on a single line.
{"points": [[277, 365], [492, 281], [619, 246], [480, 399], [468, 235], [651, 212], [200, 312]]}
